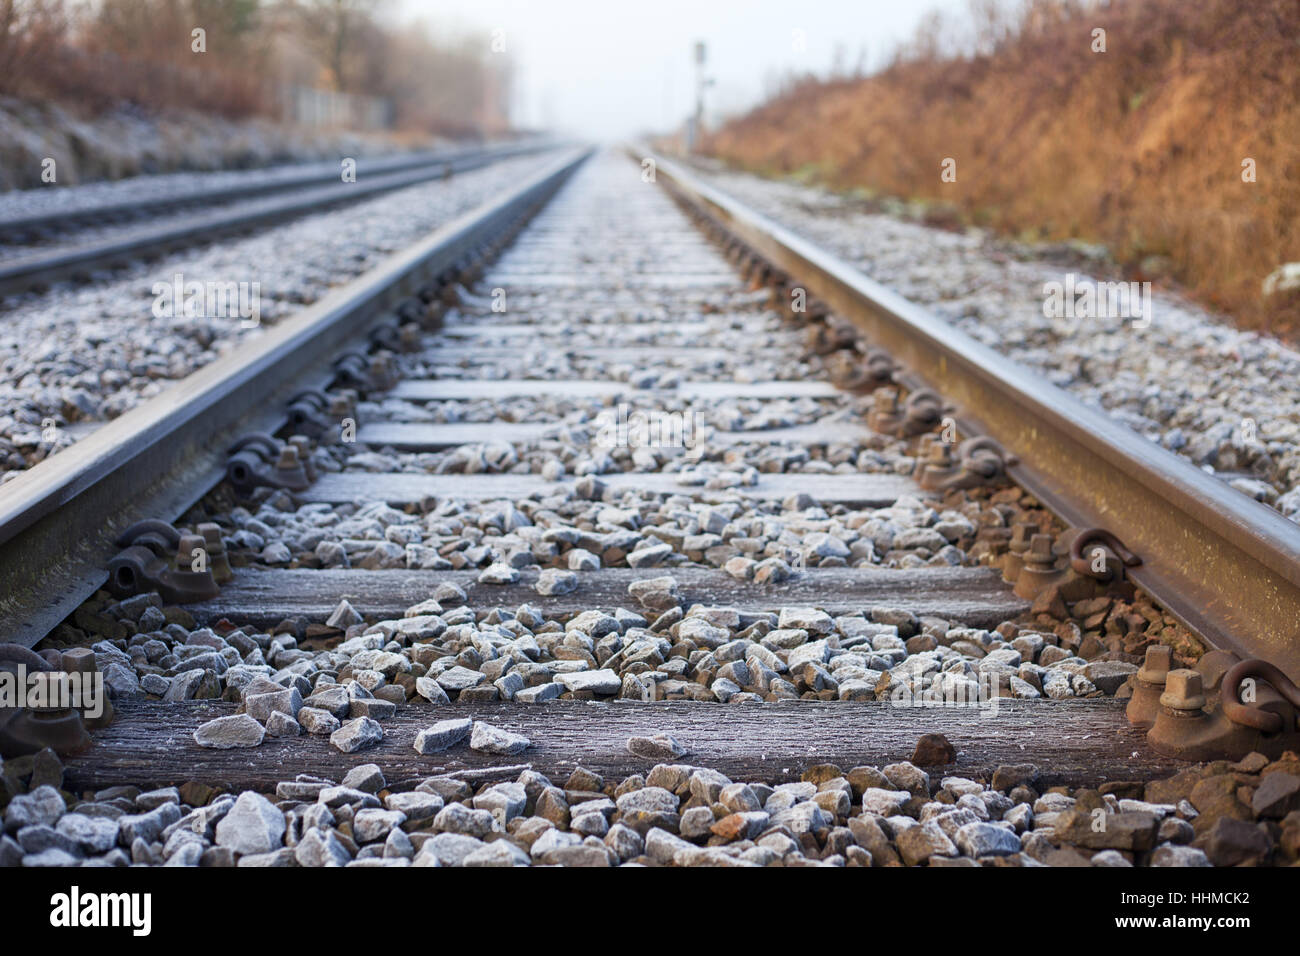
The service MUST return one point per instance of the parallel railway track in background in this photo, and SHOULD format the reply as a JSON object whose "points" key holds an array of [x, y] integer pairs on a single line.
{"points": [[481, 362], [180, 220]]}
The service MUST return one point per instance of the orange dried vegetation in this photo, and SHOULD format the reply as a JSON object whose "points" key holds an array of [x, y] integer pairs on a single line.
{"points": [[1140, 147]]}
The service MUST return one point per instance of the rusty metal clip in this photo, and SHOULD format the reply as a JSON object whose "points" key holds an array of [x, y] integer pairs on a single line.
{"points": [[1109, 552], [829, 336], [922, 411], [352, 369], [249, 466], [151, 533], [1040, 572], [386, 335], [402, 332], [985, 461], [849, 370], [142, 565], [307, 414], [880, 365], [412, 311], [981, 463], [1191, 724], [1255, 715], [1199, 714], [469, 267]]}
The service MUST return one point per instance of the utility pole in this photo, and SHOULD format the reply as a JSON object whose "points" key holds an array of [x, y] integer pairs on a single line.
{"points": [[695, 125]]}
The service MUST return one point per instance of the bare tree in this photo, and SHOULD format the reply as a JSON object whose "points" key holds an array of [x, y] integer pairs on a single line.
{"points": [[334, 29], [30, 30]]}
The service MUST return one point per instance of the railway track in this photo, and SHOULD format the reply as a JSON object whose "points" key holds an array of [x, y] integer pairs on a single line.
{"points": [[176, 220], [584, 525]]}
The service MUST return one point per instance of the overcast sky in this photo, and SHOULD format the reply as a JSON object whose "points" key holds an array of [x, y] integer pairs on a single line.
{"points": [[606, 69]]}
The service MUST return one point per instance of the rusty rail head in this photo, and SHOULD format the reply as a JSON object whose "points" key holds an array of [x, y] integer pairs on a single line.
{"points": [[59, 519], [1223, 564]]}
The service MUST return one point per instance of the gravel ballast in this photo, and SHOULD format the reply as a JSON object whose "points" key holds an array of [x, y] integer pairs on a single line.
{"points": [[675, 814]]}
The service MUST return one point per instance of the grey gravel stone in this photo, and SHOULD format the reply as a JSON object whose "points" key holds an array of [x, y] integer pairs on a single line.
{"points": [[657, 594], [1179, 856], [448, 849], [147, 827], [261, 706], [373, 824], [359, 734], [648, 800], [554, 581], [254, 825], [486, 738], [539, 693], [91, 834], [919, 843], [43, 805], [50, 857], [321, 848], [317, 721], [344, 616], [227, 733], [986, 839], [498, 573], [414, 804], [431, 690], [1110, 858], [460, 678], [597, 682], [496, 853], [656, 747], [458, 818], [282, 725], [442, 735], [367, 777]]}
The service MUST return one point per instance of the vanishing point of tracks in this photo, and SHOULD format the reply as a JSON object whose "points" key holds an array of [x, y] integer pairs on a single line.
{"points": [[646, 493]]}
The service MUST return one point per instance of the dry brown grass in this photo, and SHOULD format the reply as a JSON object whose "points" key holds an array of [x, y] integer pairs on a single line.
{"points": [[134, 51], [94, 54], [1139, 147]]}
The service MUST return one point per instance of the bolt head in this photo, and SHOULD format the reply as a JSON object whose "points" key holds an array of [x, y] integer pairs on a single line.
{"points": [[78, 660], [1183, 690], [1040, 547], [1155, 667]]}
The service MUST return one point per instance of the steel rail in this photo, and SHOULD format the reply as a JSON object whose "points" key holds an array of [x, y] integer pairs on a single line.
{"points": [[273, 180], [64, 261], [59, 519], [1226, 566]]}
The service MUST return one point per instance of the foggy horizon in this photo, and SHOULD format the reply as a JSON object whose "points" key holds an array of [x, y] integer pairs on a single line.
{"points": [[606, 72]]}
